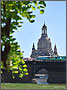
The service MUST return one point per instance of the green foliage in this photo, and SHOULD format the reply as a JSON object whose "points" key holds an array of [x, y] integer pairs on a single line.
{"points": [[12, 14], [41, 11], [18, 9]]}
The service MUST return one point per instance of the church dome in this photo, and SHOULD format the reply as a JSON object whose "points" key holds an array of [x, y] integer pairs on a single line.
{"points": [[44, 43], [44, 47]]}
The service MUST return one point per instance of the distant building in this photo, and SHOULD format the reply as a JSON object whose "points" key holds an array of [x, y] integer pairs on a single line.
{"points": [[44, 47]]}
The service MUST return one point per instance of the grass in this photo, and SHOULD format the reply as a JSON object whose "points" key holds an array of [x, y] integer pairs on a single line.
{"points": [[31, 86]]}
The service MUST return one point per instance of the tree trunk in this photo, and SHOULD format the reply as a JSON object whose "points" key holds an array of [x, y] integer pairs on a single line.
{"points": [[6, 31]]}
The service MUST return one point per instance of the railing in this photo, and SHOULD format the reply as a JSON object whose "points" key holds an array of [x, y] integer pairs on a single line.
{"points": [[56, 59], [47, 59]]}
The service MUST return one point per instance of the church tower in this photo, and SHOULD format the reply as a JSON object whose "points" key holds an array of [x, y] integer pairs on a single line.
{"points": [[44, 43], [44, 47], [33, 48], [44, 30], [33, 55], [55, 51]]}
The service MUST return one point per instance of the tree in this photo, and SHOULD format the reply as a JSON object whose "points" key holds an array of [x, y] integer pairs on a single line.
{"points": [[12, 14]]}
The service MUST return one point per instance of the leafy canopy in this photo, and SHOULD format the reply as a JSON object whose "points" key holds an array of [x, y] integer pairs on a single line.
{"points": [[12, 14]]}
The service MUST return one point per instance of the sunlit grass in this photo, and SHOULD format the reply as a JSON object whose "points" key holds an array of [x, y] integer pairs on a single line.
{"points": [[31, 86]]}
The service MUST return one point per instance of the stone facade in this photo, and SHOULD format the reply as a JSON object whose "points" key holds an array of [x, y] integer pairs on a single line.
{"points": [[44, 47]]}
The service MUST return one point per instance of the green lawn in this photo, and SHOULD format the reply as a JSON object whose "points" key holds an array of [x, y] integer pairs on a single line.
{"points": [[31, 86]]}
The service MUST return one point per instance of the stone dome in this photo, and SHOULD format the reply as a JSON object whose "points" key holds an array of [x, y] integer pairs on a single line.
{"points": [[44, 43], [44, 47]]}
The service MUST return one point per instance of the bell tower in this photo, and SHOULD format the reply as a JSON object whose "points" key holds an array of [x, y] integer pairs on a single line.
{"points": [[44, 30]]}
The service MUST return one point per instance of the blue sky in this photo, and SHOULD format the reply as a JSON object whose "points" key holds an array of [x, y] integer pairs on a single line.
{"points": [[55, 20]]}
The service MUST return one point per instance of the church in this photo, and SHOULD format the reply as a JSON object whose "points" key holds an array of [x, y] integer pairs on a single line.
{"points": [[44, 47]]}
